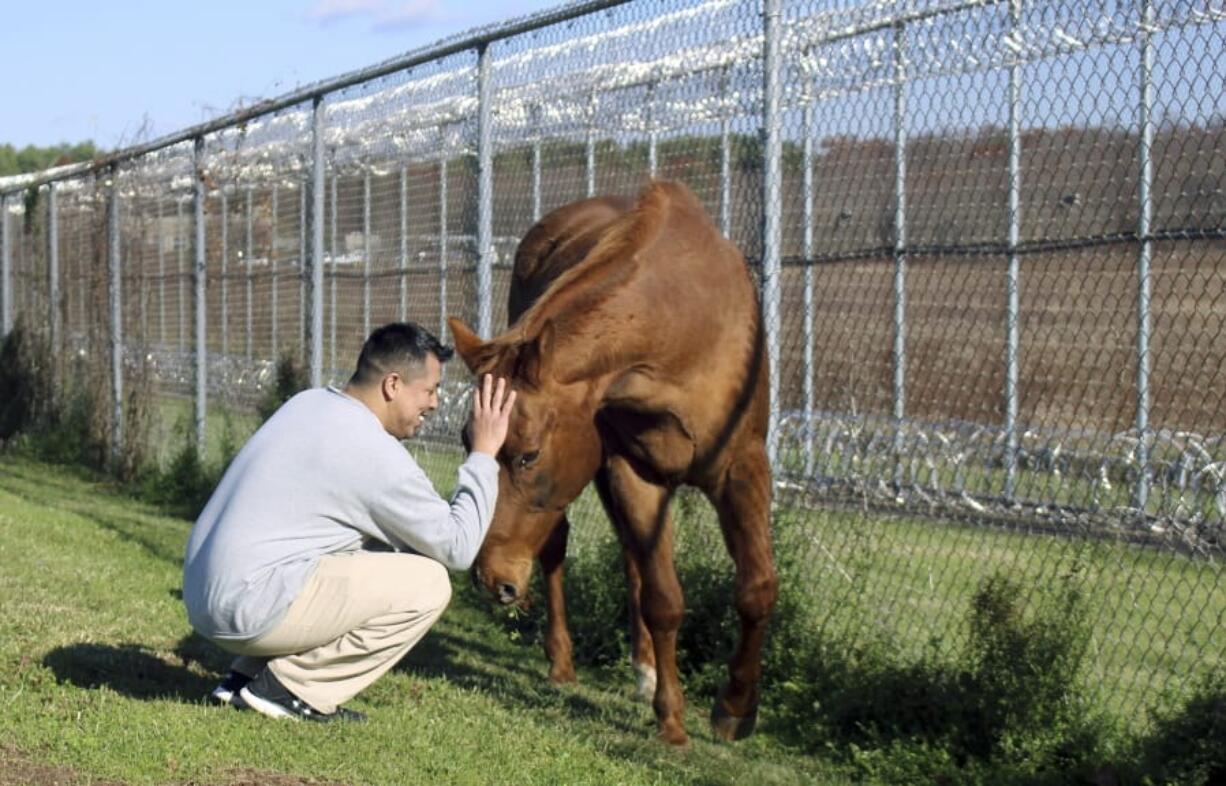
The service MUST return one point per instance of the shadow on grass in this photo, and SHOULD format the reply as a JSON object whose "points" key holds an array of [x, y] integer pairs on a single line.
{"points": [[194, 648], [129, 529], [161, 540], [513, 676], [130, 670]]}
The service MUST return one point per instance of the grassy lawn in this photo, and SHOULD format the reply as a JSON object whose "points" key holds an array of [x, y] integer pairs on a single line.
{"points": [[101, 679]]}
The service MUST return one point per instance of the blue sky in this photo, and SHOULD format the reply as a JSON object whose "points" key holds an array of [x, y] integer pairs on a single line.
{"points": [[108, 71]]}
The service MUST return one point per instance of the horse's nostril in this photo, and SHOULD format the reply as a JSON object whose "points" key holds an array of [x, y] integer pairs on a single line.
{"points": [[506, 593]]}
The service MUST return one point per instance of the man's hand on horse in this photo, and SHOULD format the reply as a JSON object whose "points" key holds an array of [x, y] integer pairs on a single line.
{"points": [[492, 406]]}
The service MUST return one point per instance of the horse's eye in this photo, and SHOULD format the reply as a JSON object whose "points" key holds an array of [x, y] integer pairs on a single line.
{"points": [[528, 459]]}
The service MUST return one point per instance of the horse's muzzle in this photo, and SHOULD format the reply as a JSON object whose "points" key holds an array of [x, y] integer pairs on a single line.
{"points": [[504, 592], [507, 593]]}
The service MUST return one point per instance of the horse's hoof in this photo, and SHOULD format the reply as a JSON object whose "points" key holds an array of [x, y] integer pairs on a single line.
{"points": [[563, 676], [674, 736], [732, 727]]}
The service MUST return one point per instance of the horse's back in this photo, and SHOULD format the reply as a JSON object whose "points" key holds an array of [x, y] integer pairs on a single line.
{"points": [[558, 242]]}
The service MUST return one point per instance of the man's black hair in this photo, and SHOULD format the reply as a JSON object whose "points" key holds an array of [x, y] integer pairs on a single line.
{"points": [[399, 347]]}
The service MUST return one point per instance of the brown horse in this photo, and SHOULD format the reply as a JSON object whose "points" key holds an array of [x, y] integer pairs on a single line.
{"points": [[642, 366]]}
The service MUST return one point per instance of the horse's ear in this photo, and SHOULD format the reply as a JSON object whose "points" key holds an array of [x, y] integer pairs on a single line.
{"points": [[477, 354], [535, 361]]}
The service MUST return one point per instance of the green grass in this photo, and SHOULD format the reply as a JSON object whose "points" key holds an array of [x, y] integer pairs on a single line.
{"points": [[100, 674]]}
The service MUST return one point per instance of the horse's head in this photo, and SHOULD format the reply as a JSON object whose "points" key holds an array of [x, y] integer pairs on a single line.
{"points": [[552, 451]]}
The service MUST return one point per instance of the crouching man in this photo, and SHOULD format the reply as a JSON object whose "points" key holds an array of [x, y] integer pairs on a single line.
{"points": [[322, 556]]}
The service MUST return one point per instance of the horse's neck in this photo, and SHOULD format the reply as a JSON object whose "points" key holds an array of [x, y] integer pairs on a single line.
{"points": [[599, 336]]}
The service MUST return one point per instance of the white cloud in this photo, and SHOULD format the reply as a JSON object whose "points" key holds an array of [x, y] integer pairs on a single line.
{"points": [[414, 13], [327, 11], [385, 15]]}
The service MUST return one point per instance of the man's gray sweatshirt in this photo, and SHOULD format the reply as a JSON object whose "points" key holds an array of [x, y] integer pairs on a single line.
{"points": [[320, 477]]}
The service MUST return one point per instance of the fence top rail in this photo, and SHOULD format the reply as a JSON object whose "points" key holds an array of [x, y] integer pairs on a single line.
{"points": [[472, 39], [801, 38]]}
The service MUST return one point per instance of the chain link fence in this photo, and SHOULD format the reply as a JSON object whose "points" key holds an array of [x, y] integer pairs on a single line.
{"points": [[991, 238]]}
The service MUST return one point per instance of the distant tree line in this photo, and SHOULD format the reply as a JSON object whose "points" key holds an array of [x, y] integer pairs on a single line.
{"points": [[32, 159]]}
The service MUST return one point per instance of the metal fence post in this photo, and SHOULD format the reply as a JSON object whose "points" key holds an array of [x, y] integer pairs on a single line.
{"points": [[274, 295], [772, 234], [82, 280], [334, 215], [181, 243], [536, 163], [53, 269], [315, 322], [590, 145], [725, 161], [161, 278], [199, 271], [6, 270], [1144, 219], [304, 269], [248, 295], [900, 246], [809, 112], [652, 134], [224, 272], [442, 233], [404, 242], [365, 255], [115, 297], [485, 196], [1013, 306], [143, 284]]}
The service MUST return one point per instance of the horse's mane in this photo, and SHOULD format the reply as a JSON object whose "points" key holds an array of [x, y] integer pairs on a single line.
{"points": [[612, 261]]}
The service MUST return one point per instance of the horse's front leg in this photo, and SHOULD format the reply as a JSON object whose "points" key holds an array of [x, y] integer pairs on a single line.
{"points": [[641, 513], [642, 651], [558, 647]]}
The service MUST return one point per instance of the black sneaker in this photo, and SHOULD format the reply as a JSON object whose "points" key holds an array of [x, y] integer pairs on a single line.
{"points": [[228, 691], [266, 695]]}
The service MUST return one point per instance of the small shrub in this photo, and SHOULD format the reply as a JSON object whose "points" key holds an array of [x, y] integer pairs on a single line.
{"points": [[183, 487], [1024, 672], [711, 627], [58, 409], [1188, 743], [291, 378], [1007, 708], [596, 604], [68, 436], [25, 382]]}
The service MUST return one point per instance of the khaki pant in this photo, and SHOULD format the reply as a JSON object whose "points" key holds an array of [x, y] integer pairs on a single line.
{"points": [[358, 615]]}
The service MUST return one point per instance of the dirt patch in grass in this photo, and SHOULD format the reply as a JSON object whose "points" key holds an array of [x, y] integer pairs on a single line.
{"points": [[259, 778], [17, 768]]}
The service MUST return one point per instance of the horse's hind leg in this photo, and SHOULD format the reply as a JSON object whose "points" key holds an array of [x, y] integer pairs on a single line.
{"points": [[640, 507], [743, 501], [642, 653]]}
